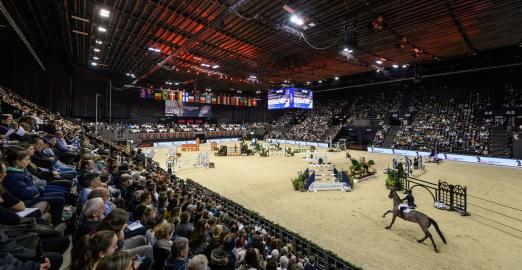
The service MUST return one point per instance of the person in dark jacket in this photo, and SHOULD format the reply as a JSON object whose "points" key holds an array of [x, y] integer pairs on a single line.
{"points": [[184, 228], [179, 254], [47, 163], [13, 256], [19, 182]]}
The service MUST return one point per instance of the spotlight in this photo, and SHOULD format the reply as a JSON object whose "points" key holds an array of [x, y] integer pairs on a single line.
{"points": [[96, 50], [99, 42], [253, 77], [102, 29], [215, 66], [295, 19], [104, 13], [378, 62], [404, 65], [176, 83], [395, 66], [319, 81], [95, 58], [348, 50], [154, 49], [94, 64], [336, 78]]}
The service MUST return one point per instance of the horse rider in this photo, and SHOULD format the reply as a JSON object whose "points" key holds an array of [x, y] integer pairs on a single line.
{"points": [[406, 207]]}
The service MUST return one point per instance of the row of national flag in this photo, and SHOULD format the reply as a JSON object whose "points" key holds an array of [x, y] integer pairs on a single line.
{"points": [[207, 98]]}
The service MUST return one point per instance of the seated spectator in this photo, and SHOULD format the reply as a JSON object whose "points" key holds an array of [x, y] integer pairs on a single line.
{"points": [[179, 254], [103, 193], [145, 200], [19, 182], [6, 121], [116, 221], [184, 228], [253, 260], [163, 244], [66, 153], [14, 256], [90, 217], [89, 181], [91, 249], [118, 261], [198, 238], [198, 262], [49, 163]]}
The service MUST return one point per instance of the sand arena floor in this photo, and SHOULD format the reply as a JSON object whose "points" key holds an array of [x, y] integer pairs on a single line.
{"points": [[351, 224]]}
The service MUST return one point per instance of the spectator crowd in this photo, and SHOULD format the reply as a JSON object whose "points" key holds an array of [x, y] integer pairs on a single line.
{"points": [[121, 210]]}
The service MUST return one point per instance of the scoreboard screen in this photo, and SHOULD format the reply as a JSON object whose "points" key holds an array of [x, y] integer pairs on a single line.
{"points": [[289, 98]]}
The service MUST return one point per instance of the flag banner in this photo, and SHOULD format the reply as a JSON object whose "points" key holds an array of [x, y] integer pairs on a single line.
{"points": [[157, 95], [172, 96], [164, 94]]}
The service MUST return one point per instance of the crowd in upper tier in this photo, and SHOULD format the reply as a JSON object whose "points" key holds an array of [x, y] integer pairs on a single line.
{"points": [[121, 210]]}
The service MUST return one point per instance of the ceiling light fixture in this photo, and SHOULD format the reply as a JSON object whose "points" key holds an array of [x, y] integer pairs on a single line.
{"points": [[319, 81], [295, 19], [336, 78], [215, 66], [95, 58], [102, 29], [105, 13], [99, 42], [96, 50], [395, 66], [405, 66], [94, 63]]}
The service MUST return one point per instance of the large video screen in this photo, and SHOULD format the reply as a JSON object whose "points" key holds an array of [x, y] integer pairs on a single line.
{"points": [[185, 109], [288, 98]]}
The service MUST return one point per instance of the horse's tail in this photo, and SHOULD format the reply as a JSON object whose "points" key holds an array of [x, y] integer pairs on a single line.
{"points": [[438, 230]]}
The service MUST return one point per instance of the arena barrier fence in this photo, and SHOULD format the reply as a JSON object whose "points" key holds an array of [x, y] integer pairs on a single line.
{"points": [[325, 260]]}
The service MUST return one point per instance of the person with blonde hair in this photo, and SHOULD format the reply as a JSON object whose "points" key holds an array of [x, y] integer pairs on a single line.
{"points": [[163, 244], [198, 262]]}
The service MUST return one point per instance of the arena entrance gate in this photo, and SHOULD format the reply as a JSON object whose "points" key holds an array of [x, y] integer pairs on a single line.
{"points": [[453, 196]]}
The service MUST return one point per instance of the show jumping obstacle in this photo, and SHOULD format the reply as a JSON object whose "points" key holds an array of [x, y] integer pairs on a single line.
{"points": [[340, 180], [445, 195]]}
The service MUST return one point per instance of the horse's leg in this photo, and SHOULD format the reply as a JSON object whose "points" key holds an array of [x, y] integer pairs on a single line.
{"points": [[422, 240], [387, 212], [428, 234], [393, 220]]}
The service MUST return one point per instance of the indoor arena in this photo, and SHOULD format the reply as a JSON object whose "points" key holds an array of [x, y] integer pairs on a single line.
{"points": [[260, 134]]}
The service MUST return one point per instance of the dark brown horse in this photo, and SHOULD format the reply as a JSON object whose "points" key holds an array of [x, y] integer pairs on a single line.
{"points": [[413, 216]]}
